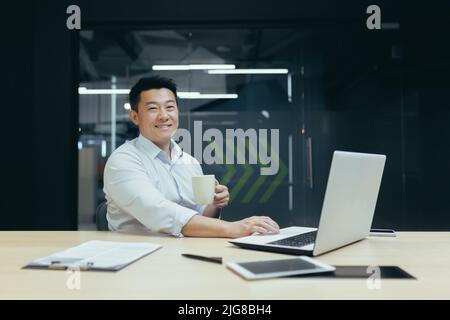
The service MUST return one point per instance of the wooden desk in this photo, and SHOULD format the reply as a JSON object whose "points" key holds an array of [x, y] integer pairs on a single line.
{"points": [[165, 274]]}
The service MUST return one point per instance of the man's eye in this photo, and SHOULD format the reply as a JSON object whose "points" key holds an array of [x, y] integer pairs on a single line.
{"points": [[170, 107], [152, 108]]}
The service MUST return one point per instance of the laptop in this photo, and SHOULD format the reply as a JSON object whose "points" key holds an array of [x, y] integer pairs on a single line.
{"points": [[347, 211]]}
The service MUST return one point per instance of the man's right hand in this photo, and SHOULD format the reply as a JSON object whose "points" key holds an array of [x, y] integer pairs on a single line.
{"points": [[249, 226]]}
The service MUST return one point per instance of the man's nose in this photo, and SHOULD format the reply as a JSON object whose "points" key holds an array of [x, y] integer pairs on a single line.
{"points": [[163, 114]]}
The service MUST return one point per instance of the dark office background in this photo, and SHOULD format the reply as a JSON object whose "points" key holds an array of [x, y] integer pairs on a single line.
{"points": [[357, 98]]}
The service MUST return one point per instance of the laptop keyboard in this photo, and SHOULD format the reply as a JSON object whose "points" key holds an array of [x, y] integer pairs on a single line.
{"points": [[299, 240]]}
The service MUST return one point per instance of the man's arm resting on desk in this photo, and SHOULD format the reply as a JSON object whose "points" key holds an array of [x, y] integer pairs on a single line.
{"points": [[200, 226]]}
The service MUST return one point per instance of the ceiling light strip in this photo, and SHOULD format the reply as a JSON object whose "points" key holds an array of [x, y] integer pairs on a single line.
{"points": [[185, 67], [250, 71], [180, 94]]}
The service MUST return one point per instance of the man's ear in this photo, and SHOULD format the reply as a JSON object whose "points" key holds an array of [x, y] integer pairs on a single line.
{"points": [[133, 117]]}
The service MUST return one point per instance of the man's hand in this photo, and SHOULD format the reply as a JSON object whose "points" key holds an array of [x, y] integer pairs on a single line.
{"points": [[222, 197], [252, 225]]}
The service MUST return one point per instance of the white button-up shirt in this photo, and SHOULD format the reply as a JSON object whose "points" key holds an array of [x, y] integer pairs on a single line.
{"points": [[147, 191]]}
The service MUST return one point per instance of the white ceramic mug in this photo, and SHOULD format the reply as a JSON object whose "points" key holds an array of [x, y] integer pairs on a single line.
{"points": [[204, 187]]}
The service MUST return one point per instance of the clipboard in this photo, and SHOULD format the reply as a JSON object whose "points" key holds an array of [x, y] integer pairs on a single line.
{"points": [[95, 255]]}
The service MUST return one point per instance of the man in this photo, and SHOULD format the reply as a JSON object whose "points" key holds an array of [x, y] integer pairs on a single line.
{"points": [[147, 181]]}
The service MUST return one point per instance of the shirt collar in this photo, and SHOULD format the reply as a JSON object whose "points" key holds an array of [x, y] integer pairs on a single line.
{"points": [[153, 150], [176, 150]]}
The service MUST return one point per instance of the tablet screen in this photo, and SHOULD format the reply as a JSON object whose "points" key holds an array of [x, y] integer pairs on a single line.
{"points": [[283, 265]]}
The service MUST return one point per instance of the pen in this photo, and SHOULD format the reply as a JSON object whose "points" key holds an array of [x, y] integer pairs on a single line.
{"points": [[209, 259]]}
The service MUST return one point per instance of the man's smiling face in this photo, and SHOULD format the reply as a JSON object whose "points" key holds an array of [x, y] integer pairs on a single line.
{"points": [[157, 115]]}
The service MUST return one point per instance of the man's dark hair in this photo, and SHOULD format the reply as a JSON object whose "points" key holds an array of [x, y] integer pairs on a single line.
{"points": [[148, 83]]}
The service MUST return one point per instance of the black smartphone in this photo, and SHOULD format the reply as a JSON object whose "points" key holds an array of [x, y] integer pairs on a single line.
{"points": [[382, 233]]}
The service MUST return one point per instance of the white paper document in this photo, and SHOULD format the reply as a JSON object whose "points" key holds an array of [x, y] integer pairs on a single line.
{"points": [[96, 255]]}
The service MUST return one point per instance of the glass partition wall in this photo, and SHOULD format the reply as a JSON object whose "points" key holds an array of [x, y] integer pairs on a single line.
{"points": [[280, 101]]}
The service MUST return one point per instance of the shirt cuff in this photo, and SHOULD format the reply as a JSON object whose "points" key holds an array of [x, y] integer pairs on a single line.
{"points": [[182, 217], [200, 208]]}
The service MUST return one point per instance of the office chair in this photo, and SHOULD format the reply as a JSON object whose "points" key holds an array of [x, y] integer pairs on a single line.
{"points": [[100, 217]]}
